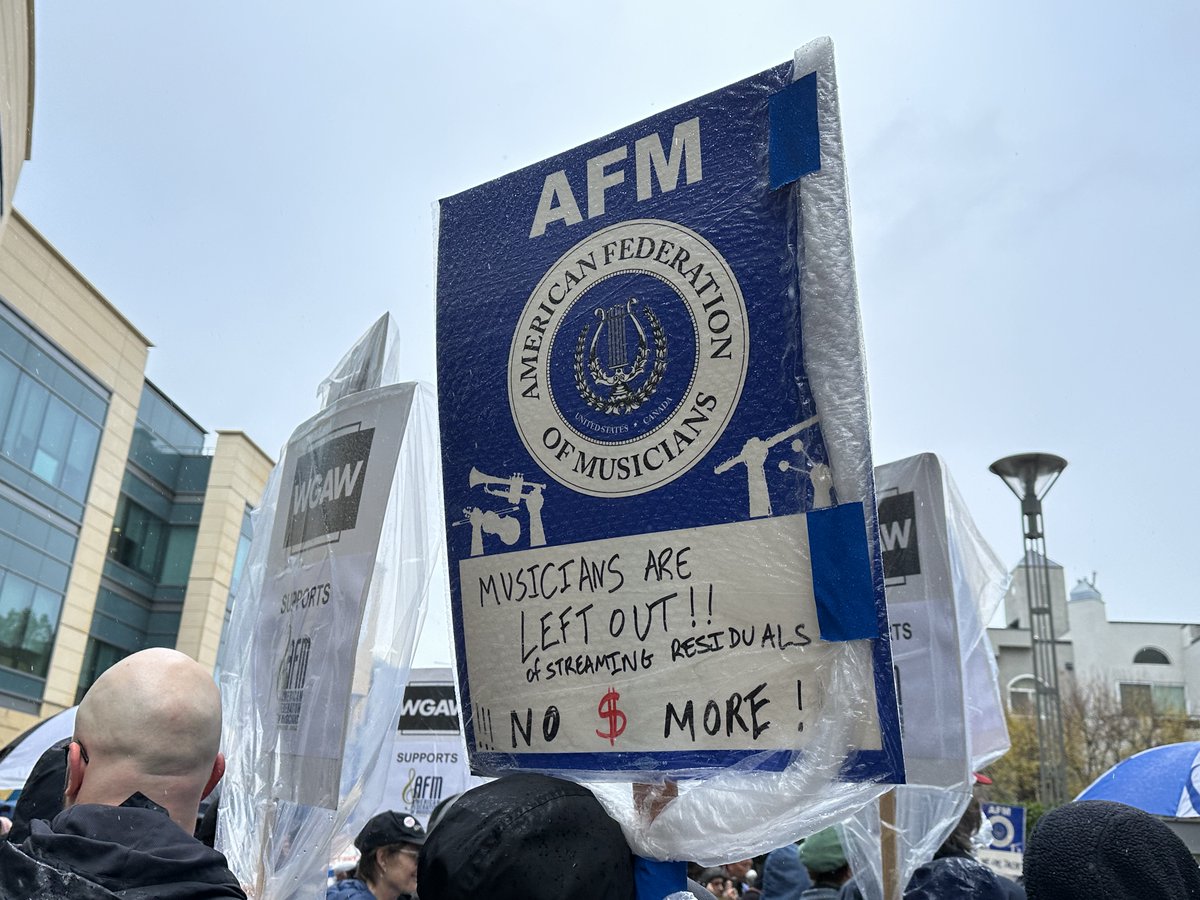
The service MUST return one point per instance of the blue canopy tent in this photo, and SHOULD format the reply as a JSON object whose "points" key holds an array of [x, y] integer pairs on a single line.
{"points": [[1164, 781]]}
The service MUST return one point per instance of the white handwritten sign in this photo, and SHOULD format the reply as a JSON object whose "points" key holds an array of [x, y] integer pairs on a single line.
{"points": [[649, 642]]}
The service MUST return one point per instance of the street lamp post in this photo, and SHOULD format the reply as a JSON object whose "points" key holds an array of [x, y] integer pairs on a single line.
{"points": [[1030, 476]]}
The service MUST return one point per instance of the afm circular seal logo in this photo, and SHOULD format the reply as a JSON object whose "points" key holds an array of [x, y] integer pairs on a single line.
{"points": [[629, 358]]}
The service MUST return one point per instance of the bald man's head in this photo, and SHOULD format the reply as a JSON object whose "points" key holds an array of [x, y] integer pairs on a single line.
{"points": [[151, 723]]}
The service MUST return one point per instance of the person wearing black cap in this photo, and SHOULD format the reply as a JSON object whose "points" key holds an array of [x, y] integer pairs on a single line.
{"points": [[387, 868], [527, 837], [716, 880]]}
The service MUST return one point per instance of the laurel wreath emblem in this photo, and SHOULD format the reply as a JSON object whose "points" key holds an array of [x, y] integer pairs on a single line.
{"points": [[633, 399]]}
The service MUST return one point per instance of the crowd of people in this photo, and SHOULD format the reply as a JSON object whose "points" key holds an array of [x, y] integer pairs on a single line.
{"points": [[112, 813], [532, 837]]}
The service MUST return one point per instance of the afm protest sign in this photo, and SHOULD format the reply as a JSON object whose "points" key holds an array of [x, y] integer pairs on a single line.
{"points": [[651, 569], [1005, 853]]}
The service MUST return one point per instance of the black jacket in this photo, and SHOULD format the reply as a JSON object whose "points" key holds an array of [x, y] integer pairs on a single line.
{"points": [[42, 797], [952, 876], [960, 876], [132, 851]]}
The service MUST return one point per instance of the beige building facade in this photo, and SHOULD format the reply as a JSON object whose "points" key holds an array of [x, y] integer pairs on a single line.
{"points": [[16, 96], [120, 527]]}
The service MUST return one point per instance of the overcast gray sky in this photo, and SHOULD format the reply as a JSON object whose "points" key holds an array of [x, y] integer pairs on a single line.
{"points": [[252, 184]]}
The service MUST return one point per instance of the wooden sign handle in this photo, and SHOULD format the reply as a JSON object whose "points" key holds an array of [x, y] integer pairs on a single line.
{"points": [[888, 840]]}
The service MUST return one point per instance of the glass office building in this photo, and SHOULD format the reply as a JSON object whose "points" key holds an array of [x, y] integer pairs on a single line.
{"points": [[153, 537], [51, 415]]}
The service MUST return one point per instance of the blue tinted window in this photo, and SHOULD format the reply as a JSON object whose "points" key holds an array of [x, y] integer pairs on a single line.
{"points": [[81, 457], [41, 628], [167, 423], [239, 563], [137, 540], [167, 445], [25, 559], [97, 659], [29, 528], [235, 581], [177, 560], [11, 342], [8, 384], [51, 415], [28, 622], [53, 442], [25, 422], [60, 545], [38, 363], [45, 436]]}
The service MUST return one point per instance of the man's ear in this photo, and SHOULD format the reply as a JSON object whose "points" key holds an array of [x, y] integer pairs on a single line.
{"points": [[218, 770], [75, 771]]}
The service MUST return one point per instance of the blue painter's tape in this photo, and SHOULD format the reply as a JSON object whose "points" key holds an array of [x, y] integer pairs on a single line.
{"points": [[841, 573], [795, 139], [656, 880]]}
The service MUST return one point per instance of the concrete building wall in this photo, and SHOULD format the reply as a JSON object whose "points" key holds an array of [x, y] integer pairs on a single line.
{"points": [[1105, 650], [1191, 664], [239, 474], [16, 95], [1014, 659], [40, 284], [1092, 648], [1016, 601]]}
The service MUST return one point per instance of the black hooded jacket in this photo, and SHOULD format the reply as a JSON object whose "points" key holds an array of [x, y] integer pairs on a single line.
{"points": [[42, 797], [1096, 848], [959, 876], [133, 851]]}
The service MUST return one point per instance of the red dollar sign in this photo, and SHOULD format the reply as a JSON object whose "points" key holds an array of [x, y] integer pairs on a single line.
{"points": [[608, 710]]}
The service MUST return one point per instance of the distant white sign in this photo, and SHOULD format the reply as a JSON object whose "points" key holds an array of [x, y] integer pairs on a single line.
{"points": [[938, 657], [429, 760]]}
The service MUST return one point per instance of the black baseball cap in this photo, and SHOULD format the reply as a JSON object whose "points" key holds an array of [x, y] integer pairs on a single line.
{"points": [[389, 828], [526, 837]]}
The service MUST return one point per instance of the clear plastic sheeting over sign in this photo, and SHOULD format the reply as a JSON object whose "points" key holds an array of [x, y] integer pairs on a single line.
{"points": [[664, 565], [346, 544], [943, 585]]}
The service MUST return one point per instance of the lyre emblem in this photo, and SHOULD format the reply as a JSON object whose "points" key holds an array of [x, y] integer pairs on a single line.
{"points": [[616, 371]]}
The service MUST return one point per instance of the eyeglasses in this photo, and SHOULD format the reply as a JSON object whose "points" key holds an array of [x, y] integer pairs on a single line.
{"points": [[82, 750], [409, 851]]}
